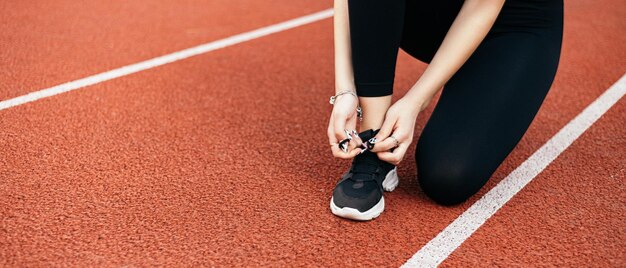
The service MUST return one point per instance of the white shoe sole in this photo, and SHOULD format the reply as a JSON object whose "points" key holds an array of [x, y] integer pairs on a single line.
{"points": [[389, 184]]}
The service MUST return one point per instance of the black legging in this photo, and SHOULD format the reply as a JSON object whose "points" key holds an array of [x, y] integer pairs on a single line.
{"points": [[487, 106]]}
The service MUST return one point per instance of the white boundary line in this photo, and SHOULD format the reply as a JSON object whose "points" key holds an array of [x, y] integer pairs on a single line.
{"points": [[440, 247], [165, 59]]}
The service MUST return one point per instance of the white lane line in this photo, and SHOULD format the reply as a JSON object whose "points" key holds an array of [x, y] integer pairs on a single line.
{"points": [[165, 59], [440, 247]]}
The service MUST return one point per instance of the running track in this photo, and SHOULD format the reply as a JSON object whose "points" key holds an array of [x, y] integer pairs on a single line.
{"points": [[220, 159]]}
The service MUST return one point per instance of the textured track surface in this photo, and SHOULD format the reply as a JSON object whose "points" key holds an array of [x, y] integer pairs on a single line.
{"points": [[51, 42], [221, 159]]}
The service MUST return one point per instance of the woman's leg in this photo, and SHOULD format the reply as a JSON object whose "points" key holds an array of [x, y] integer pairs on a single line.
{"points": [[375, 34], [425, 26], [374, 109], [486, 107]]}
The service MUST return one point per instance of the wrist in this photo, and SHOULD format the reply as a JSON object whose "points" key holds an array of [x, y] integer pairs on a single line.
{"points": [[346, 96], [420, 98], [418, 103], [342, 86]]}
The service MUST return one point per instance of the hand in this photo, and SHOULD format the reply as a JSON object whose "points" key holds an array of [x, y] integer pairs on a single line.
{"points": [[342, 125], [397, 131]]}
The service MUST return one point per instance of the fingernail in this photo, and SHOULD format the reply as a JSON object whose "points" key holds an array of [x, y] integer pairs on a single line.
{"points": [[355, 133], [364, 146], [348, 134], [370, 143], [363, 150], [344, 147]]}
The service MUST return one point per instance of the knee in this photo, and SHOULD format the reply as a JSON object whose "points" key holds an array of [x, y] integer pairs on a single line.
{"points": [[416, 51], [448, 185]]}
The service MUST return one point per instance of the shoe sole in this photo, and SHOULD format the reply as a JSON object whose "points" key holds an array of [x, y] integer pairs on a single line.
{"points": [[389, 184]]}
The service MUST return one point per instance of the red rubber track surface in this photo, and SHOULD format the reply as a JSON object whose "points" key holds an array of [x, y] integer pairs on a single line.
{"points": [[52, 42], [221, 159]]}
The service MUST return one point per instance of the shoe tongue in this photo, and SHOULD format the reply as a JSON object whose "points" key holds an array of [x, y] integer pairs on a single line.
{"points": [[364, 165]]}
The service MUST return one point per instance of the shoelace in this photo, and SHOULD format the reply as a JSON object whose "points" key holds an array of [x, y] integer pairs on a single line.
{"points": [[364, 167]]}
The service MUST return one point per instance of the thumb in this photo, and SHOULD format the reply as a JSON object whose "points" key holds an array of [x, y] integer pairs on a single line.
{"points": [[339, 126], [386, 129]]}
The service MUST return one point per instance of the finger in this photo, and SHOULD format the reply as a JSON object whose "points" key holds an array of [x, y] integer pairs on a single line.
{"points": [[386, 129], [344, 145], [353, 144], [330, 132], [383, 134], [354, 153], [340, 128], [351, 127], [385, 145], [357, 139], [394, 157], [338, 153]]}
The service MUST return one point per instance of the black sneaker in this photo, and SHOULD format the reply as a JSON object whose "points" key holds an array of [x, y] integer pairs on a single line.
{"points": [[359, 193]]}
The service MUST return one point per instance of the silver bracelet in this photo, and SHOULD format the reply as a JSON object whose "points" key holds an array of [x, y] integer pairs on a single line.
{"points": [[332, 98]]}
